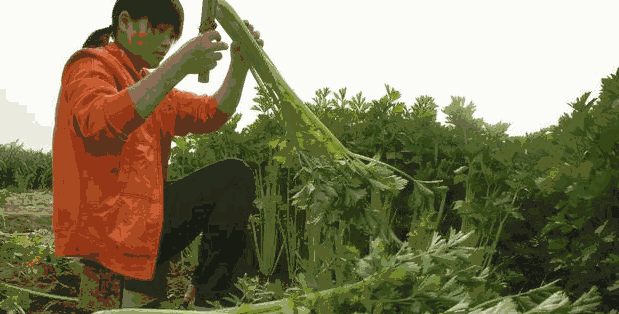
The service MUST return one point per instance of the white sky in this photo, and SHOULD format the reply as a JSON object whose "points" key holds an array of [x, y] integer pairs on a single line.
{"points": [[520, 63]]}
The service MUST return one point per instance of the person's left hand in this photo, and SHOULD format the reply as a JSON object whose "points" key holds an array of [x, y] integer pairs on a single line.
{"points": [[238, 60]]}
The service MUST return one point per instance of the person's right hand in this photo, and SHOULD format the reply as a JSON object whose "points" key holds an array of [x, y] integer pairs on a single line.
{"points": [[200, 54]]}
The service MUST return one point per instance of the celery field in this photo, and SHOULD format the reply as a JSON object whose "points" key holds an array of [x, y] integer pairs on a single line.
{"points": [[493, 222], [372, 207]]}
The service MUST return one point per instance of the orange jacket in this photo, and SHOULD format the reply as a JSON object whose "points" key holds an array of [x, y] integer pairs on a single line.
{"points": [[108, 192]]}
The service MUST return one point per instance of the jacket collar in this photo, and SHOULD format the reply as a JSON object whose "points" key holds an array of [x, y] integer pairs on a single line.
{"points": [[122, 56]]}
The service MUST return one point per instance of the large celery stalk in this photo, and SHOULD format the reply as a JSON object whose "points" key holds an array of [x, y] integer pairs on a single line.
{"points": [[306, 134], [305, 131]]}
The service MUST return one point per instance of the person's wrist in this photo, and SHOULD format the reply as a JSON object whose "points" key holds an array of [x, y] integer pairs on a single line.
{"points": [[177, 62]]}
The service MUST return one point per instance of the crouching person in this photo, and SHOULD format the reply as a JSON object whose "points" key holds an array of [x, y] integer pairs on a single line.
{"points": [[114, 126]]}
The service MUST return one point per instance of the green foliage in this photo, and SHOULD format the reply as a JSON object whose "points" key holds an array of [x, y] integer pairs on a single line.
{"points": [[424, 108], [22, 170], [34, 254], [540, 208], [436, 280]]}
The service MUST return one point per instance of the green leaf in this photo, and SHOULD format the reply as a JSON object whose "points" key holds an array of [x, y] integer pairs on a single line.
{"points": [[600, 228], [347, 252], [414, 201], [378, 185], [322, 251], [181, 143], [612, 259], [517, 215], [4, 194], [557, 244], [599, 183], [580, 222], [280, 159], [560, 204], [398, 108], [464, 207], [460, 170], [410, 268], [583, 170], [549, 227], [430, 283], [423, 189], [377, 248], [460, 178], [285, 156], [274, 143], [458, 204], [275, 287], [567, 228], [354, 195]]}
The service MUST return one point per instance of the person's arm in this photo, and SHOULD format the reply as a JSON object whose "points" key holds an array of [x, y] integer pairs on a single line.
{"points": [[153, 88], [229, 94]]}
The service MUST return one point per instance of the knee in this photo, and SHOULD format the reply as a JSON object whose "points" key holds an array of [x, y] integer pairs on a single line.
{"points": [[239, 168]]}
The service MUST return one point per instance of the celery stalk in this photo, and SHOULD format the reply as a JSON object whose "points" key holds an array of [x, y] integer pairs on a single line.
{"points": [[304, 121]]}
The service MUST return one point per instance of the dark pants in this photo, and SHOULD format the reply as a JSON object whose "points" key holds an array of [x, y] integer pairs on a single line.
{"points": [[217, 201]]}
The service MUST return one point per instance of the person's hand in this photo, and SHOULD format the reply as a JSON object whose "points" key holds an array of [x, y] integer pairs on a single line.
{"points": [[238, 59], [200, 54]]}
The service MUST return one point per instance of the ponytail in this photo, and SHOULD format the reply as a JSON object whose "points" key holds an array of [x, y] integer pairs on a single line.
{"points": [[157, 11], [99, 38]]}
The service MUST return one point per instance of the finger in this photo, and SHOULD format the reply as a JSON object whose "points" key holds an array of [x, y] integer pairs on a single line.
{"points": [[220, 46], [209, 36], [207, 26], [204, 28], [214, 35]]}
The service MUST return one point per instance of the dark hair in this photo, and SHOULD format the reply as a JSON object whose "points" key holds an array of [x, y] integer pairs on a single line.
{"points": [[157, 11]]}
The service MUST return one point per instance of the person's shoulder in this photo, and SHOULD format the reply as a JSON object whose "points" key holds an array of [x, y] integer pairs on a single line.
{"points": [[100, 54]]}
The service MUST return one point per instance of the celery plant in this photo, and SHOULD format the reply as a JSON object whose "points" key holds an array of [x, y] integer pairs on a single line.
{"points": [[308, 137]]}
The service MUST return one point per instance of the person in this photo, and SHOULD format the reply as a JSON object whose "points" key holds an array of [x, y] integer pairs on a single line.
{"points": [[114, 123]]}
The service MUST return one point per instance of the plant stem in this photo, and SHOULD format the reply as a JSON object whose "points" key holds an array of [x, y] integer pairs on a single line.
{"points": [[51, 296]]}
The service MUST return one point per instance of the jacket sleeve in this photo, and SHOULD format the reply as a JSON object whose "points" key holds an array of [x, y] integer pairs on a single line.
{"points": [[193, 113], [100, 110]]}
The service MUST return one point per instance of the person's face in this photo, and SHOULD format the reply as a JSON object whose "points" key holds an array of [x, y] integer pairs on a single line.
{"points": [[146, 46]]}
